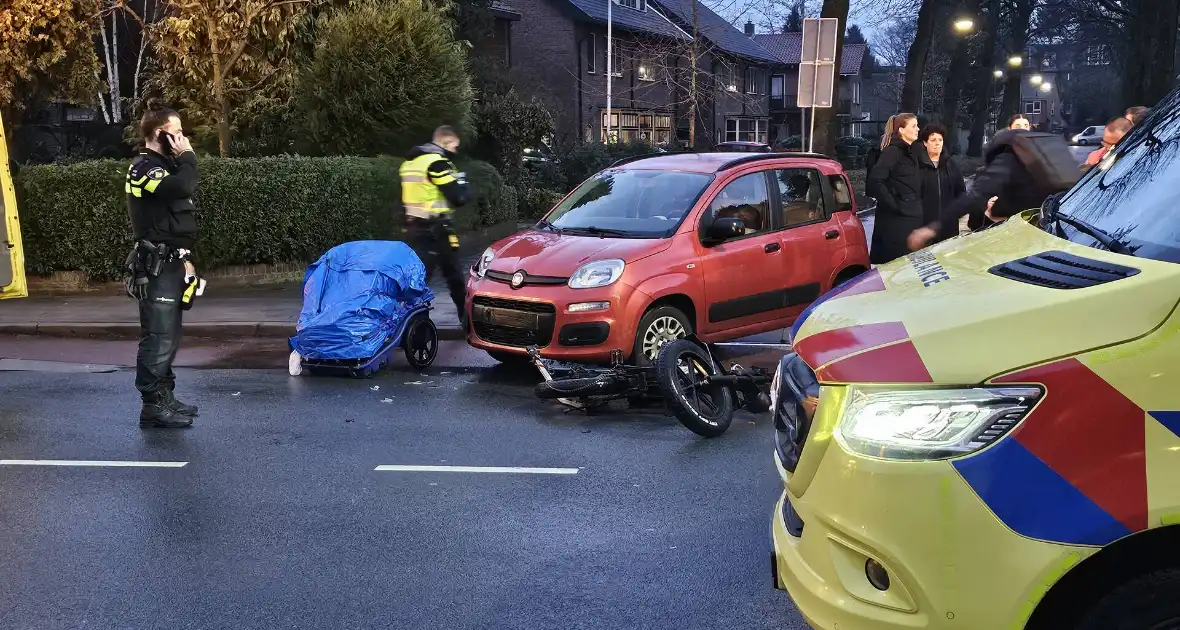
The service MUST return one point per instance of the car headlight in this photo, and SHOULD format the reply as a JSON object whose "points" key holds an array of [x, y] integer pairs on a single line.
{"points": [[599, 273], [932, 423], [481, 267]]}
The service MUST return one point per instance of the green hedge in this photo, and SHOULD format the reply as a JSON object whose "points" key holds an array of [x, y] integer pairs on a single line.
{"points": [[251, 211]]}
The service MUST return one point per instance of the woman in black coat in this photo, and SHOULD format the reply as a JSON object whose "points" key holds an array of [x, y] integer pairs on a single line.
{"points": [[942, 182], [896, 182]]}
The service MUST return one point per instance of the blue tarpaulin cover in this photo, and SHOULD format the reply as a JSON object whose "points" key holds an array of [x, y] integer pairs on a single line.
{"points": [[355, 298]]}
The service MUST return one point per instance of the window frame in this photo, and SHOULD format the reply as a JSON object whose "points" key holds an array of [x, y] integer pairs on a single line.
{"points": [[706, 219], [756, 121], [645, 61], [592, 54], [825, 186], [641, 5]]}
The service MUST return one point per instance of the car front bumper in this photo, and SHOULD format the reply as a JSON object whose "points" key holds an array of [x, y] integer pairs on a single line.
{"points": [[951, 563]]}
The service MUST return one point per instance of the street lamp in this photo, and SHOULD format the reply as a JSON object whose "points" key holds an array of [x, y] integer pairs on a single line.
{"points": [[997, 73], [1015, 61], [1036, 79], [964, 25], [1045, 87]]}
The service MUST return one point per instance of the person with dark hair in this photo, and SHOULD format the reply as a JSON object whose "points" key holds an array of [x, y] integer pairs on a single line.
{"points": [[160, 185], [432, 188], [896, 182], [1019, 121], [942, 182], [1137, 114]]}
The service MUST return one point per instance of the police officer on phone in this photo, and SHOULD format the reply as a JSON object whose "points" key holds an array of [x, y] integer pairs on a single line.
{"points": [[432, 188], [160, 185]]}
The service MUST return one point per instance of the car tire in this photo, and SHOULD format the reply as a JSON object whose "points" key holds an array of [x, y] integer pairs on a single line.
{"points": [[1144, 603], [510, 359], [657, 327]]}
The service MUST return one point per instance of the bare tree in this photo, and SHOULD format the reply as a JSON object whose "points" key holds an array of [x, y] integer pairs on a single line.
{"points": [[113, 18]]}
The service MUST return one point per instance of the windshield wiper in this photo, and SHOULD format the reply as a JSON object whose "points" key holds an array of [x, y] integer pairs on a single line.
{"points": [[549, 226], [601, 232], [1051, 213]]}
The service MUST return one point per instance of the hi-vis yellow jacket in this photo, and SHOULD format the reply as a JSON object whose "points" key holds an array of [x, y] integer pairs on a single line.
{"points": [[431, 186]]}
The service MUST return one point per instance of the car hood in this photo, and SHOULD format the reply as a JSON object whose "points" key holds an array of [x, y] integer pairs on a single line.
{"points": [[941, 315], [544, 253]]}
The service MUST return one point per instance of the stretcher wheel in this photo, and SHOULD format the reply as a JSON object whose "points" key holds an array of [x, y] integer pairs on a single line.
{"points": [[421, 342]]}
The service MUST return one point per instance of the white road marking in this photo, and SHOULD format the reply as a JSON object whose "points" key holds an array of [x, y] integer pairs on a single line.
{"points": [[479, 469], [78, 462]]}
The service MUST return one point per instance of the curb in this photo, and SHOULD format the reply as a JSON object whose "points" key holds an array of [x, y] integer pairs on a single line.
{"points": [[222, 331]]}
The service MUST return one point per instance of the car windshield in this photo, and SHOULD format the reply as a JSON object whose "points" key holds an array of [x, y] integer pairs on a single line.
{"points": [[1132, 194], [629, 203]]}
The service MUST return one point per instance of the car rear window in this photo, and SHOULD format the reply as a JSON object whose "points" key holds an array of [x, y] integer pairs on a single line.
{"points": [[634, 203]]}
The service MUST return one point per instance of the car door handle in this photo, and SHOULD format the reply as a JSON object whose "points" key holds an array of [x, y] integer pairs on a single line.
{"points": [[772, 247], [832, 234]]}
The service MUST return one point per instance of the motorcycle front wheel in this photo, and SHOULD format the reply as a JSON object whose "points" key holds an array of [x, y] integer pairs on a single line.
{"points": [[703, 408]]}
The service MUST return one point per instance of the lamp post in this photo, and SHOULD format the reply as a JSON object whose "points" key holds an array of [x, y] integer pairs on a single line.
{"points": [[964, 25], [609, 71], [1015, 61]]}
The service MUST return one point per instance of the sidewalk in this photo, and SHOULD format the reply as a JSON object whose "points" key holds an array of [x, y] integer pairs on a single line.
{"points": [[263, 311]]}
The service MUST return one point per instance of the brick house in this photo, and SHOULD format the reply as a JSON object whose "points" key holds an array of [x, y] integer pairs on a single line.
{"points": [[557, 51], [855, 68]]}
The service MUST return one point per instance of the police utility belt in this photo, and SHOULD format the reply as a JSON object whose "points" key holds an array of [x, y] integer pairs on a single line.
{"points": [[146, 260]]}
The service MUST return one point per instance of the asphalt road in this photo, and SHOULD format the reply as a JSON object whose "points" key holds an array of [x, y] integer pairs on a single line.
{"points": [[277, 518]]}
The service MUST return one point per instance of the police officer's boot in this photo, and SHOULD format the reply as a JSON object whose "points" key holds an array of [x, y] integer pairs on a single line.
{"points": [[157, 414], [177, 406]]}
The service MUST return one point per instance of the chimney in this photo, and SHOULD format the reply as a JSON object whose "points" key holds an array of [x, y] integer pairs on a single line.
{"points": [[749, 28]]}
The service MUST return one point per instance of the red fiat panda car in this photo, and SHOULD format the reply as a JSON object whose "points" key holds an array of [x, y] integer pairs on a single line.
{"points": [[725, 245]]}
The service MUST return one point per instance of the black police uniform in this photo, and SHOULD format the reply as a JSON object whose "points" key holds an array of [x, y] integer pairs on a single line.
{"points": [[159, 199]]}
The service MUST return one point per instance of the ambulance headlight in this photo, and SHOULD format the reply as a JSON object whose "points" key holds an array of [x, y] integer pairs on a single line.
{"points": [[927, 424]]}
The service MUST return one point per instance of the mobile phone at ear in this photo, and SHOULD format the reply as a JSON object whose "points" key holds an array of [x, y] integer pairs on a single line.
{"points": [[165, 140]]}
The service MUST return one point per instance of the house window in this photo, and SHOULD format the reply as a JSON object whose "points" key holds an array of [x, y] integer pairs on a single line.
{"points": [[638, 5], [745, 130], [591, 56], [645, 70], [631, 125], [728, 76], [616, 62], [1067, 108], [777, 86], [1098, 55], [751, 80], [1033, 107], [855, 92], [1049, 61]]}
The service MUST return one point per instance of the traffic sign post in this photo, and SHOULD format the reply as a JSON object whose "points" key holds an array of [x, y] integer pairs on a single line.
{"points": [[817, 68]]}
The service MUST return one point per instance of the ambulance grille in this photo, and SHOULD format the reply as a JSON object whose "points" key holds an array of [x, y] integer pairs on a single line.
{"points": [[1059, 270]]}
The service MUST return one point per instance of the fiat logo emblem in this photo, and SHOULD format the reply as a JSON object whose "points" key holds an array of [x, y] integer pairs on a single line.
{"points": [[517, 279]]}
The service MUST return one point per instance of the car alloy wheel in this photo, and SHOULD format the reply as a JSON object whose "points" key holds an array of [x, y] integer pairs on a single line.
{"points": [[661, 331]]}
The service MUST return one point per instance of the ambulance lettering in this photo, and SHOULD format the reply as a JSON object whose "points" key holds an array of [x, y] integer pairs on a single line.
{"points": [[928, 268]]}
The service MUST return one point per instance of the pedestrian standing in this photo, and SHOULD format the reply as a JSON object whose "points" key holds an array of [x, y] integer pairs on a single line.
{"points": [[432, 188], [160, 185], [942, 182], [896, 182]]}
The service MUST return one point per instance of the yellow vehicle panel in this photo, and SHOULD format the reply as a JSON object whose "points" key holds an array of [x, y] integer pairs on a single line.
{"points": [[12, 258], [976, 541]]}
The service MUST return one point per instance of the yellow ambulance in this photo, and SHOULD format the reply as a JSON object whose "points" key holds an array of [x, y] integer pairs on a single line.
{"points": [[985, 434], [12, 260]]}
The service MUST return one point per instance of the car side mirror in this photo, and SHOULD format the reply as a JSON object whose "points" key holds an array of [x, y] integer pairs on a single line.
{"points": [[723, 229]]}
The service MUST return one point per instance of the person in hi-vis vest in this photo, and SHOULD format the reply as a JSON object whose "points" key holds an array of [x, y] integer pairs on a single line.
{"points": [[432, 188]]}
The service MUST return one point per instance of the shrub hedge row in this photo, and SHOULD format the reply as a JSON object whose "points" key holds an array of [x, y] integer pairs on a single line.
{"points": [[251, 211]]}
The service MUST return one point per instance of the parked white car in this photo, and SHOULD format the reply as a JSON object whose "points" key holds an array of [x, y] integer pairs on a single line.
{"points": [[1088, 136]]}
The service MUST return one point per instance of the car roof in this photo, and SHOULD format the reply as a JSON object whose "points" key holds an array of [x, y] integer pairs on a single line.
{"points": [[721, 161]]}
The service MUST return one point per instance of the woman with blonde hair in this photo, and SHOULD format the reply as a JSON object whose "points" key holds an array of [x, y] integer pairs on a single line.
{"points": [[896, 182]]}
